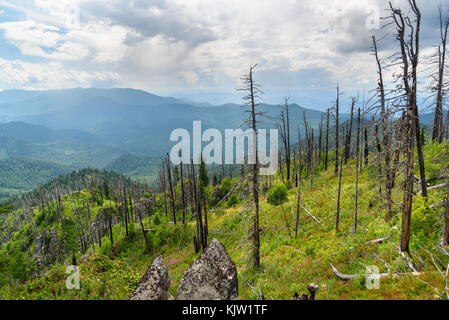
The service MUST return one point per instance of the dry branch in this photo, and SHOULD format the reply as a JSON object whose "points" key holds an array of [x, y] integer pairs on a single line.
{"points": [[347, 277]]}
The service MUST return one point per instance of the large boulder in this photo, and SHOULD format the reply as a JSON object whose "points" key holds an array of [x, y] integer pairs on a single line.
{"points": [[154, 284], [213, 276]]}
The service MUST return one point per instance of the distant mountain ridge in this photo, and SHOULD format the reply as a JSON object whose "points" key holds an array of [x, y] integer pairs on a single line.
{"points": [[123, 130], [131, 120]]}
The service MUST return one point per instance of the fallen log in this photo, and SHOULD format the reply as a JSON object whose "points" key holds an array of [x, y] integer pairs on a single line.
{"points": [[378, 241], [314, 218], [439, 186], [347, 277]]}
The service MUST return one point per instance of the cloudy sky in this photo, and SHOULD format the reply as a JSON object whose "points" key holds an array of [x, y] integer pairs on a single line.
{"points": [[198, 49]]}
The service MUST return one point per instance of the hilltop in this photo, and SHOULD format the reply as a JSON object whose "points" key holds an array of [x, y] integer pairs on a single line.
{"points": [[288, 263]]}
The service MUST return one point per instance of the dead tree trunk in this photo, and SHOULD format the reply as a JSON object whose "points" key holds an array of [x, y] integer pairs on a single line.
{"points": [[327, 141], [337, 129], [385, 134], [253, 92], [337, 219], [145, 237], [183, 199], [446, 221], [298, 205], [172, 195], [437, 133], [366, 148], [349, 133], [408, 50], [357, 155], [287, 133]]}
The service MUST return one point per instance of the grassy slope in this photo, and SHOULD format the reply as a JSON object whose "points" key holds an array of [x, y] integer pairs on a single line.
{"points": [[287, 265]]}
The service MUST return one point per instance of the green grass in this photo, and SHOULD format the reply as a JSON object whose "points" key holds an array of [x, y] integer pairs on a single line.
{"points": [[287, 264]]}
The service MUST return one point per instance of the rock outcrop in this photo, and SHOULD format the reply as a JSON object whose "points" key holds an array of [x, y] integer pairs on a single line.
{"points": [[39, 251], [154, 284], [213, 276], [52, 251]]}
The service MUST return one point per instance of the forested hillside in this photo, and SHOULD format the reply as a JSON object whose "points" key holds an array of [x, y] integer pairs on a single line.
{"points": [[357, 206], [21, 175], [114, 244]]}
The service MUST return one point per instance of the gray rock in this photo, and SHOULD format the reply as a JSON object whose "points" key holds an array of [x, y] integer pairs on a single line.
{"points": [[52, 251], [39, 251], [154, 284], [213, 276]]}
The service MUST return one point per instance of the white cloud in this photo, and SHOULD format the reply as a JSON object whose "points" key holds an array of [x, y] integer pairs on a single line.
{"points": [[52, 75], [177, 45]]}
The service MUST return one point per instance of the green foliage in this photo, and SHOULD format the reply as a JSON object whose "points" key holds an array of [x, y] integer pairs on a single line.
{"points": [[221, 192], [157, 219], [139, 168], [7, 209], [69, 237], [21, 175], [436, 159], [99, 265], [203, 177], [233, 200], [288, 264], [277, 195]]}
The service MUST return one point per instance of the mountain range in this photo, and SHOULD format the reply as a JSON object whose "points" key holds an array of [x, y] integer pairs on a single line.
{"points": [[125, 130]]}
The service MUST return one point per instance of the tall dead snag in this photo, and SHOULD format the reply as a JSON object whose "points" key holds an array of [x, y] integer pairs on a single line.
{"points": [[337, 129], [357, 155], [385, 132], [438, 85], [287, 133], [446, 220], [362, 123], [203, 183], [172, 195], [183, 199], [300, 167], [366, 148], [163, 186], [320, 140], [327, 141], [349, 133], [309, 145], [378, 154], [409, 123], [199, 240], [298, 207], [282, 128], [413, 51], [144, 233], [311, 159], [337, 219], [253, 93], [125, 207]]}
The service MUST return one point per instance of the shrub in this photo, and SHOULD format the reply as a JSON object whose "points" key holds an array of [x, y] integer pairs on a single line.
{"points": [[156, 219], [220, 192], [277, 195], [233, 200]]}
